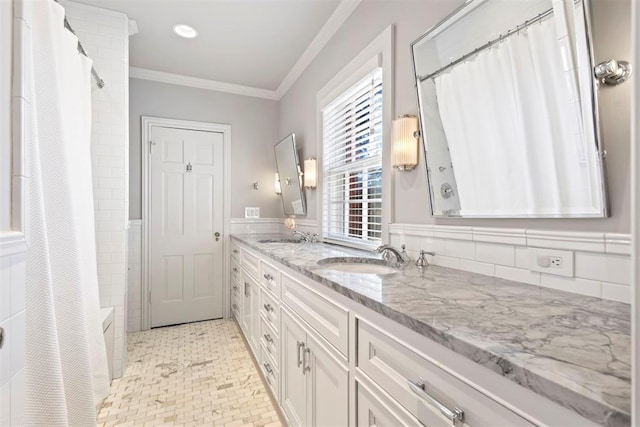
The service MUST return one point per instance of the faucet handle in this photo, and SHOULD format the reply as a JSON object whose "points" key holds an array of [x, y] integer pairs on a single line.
{"points": [[422, 259]]}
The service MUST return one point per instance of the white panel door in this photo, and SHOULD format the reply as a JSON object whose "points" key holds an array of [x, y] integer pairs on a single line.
{"points": [[186, 187]]}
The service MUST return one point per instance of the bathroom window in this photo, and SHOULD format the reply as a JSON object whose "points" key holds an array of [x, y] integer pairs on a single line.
{"points": [[352, 141]]}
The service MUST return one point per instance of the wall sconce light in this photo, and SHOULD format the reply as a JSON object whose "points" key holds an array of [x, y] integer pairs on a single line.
{"points": [[404, 138], [310, 173], [276, 184]]}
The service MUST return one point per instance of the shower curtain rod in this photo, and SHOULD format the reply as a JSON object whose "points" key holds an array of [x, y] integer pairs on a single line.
{"points": [[94, 73], [489, 44]]}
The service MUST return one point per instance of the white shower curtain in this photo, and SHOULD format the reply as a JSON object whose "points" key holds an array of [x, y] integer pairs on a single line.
{"points": [[66, 365], [514, 126]]}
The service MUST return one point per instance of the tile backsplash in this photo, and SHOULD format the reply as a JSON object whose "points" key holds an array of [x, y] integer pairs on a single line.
{"points": [[602, 261]]}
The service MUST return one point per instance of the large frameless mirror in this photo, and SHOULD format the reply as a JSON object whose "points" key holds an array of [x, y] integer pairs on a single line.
{"points": [[508, 111], [289, 173]]}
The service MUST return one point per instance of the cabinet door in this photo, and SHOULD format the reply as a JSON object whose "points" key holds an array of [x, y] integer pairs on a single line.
{"points": [[293, 381], [245, 309], [328, 386], [254, 319]]}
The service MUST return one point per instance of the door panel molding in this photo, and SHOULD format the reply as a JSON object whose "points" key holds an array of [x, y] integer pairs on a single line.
{"points": [[147, 124]]}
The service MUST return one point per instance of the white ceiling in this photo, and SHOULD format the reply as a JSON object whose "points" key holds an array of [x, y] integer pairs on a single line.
{"points": [[251, 43]]}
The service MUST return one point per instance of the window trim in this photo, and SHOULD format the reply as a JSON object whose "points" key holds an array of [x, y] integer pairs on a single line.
{"points": [[379, 53]]}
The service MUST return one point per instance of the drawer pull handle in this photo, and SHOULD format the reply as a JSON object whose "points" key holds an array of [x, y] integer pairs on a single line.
{"points": [[419, 388], [268, 338], [300, 347], [268, 307], [307, 358], [267, 368], [268, 277]]}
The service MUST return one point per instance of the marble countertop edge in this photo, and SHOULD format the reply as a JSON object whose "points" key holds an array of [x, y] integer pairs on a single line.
{"points": [[517, 368]]}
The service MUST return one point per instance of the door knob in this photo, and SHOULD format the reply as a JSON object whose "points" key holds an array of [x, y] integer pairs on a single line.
{"points": [[217, 234]]}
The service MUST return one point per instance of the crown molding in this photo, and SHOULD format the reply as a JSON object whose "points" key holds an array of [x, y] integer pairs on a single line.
{"points": [[182, 80], [328, 30]]}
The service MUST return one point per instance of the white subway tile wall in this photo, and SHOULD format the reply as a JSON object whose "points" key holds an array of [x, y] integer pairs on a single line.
{"points": [[12, 262], [105, 36], [602, 261], [12, 321], [134, 277]]}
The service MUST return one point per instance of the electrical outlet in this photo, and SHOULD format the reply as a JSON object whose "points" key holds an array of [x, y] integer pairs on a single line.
{"points": [[555, 261], [551, 261]]}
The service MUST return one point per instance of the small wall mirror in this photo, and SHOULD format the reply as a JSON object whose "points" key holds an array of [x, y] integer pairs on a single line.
{"points": [[508, 111], [293, 200]]}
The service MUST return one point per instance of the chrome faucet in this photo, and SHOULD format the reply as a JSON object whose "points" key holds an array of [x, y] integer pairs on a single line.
{"points": [[303, 236], [385, 250]]}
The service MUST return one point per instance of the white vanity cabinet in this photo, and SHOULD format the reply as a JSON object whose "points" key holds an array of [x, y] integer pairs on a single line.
{"points": [[315, 383], [331, 361]]}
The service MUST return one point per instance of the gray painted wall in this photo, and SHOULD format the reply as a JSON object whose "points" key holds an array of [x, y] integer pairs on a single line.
{"points": [[254, 124], [411, 19]]}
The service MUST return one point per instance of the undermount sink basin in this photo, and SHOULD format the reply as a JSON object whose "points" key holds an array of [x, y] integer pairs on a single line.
{"points": [[282, 240], [357, 265]]}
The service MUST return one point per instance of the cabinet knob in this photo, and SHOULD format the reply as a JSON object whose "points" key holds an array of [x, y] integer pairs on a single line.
{"points": [[268, 307]]}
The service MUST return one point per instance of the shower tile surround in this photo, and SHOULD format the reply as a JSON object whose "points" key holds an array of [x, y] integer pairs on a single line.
{"points": [[105, 37], [194, 374], [576, 351]]}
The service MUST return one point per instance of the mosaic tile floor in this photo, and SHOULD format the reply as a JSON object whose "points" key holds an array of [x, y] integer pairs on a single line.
{"points": [[199, 374]]}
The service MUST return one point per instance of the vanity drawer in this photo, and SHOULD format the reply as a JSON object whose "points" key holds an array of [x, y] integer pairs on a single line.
{"points": [[235, 290], [270, 341], [235, 251], [329, 319], [250, 262], [235, 271], [270, 310], [235, 309], [375, 408], [270, 372], [393, 366], [270, 278]]}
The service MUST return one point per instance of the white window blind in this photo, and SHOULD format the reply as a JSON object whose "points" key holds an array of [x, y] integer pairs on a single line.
{"points": [[352, 163]]}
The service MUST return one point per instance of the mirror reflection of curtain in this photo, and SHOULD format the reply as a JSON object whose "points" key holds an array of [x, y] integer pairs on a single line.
{"points": [[514, 124]]}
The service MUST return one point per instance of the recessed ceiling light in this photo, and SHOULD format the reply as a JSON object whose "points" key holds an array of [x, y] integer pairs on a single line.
{"points": [[185, 31]]}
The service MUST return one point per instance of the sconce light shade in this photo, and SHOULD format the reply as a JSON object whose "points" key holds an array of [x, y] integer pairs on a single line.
{"points": [[310, 173], [404, 138], [276, 184]]}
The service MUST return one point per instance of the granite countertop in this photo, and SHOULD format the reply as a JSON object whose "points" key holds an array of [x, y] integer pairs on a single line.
{"points": [[572, 349]]}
